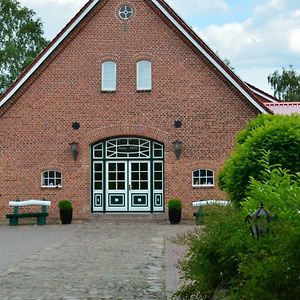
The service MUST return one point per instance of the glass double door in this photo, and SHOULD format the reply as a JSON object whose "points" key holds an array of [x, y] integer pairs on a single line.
{"points": [[128, 186]]}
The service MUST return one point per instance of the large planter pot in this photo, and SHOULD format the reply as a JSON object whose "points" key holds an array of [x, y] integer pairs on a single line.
{"points": [[66, 216], [174, 216]]}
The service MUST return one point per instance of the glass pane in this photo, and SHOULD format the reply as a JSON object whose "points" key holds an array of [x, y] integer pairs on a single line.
{"points": [[144, 175], [210, 173], [210, 181], [121, 176], [196, 181], [112, 167], [112, 176], [134, 185], [98, 185], [121, 167], [58, 182], [202, 181], [144, 185], [157, 176], [135, 167], [158, 185], [51, 182], [157, 153], [45, 182], [98, 147], [135, 176], [112, 185], [98, 167], [196, 173], [133, 141], [121, 185], [51, 174], [158, 166], [203, 173], [98, 176], [58, 175], [98, 153], [143, 167]]}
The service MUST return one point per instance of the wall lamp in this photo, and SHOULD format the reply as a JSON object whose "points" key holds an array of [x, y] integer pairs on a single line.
{"points": [[177, 148], [74, 149]]}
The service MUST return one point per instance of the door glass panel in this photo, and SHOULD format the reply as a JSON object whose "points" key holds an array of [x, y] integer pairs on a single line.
{"points": [[116, 176], [144, 185], [112, 185], [135, 185]]}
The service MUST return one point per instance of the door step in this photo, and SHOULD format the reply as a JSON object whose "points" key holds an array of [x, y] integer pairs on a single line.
{"points": [[130, 217]]}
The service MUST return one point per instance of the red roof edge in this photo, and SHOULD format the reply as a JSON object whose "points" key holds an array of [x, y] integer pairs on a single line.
{"points": [[263, 92]]}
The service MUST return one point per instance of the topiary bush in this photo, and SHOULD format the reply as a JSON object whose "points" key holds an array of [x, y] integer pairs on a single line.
{"points": [[175, 204], [280, 135], [65, 205]]}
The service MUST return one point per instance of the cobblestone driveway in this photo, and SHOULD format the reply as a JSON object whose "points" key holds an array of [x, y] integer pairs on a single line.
{"points": [[98, 260]]}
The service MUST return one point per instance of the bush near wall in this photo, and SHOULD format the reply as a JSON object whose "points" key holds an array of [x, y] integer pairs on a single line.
{"points": [[275, 133], [225, 256]]}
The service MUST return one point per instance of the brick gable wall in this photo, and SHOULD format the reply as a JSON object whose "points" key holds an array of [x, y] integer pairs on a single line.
{"points": [[35, 127]]}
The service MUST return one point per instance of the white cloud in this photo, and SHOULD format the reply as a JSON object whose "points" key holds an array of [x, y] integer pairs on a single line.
{"points": [[194, 7], [295, 13], [269, 5], [231, 38], [294, 41]]}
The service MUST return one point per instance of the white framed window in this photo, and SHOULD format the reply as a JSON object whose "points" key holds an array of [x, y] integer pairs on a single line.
{"points": [[144, 75], [51, 179], [203, 177], [109, 76]]}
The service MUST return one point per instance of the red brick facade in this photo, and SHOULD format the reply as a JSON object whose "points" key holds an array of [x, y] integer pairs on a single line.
{"points": [[35, 125]]}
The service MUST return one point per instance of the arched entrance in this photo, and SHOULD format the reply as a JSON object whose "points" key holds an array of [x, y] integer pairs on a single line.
{"points": [[128, 175]]}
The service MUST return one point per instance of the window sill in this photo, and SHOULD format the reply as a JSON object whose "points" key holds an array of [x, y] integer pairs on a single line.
{"points": [[108, 92], [144, 91], [51, 187], [203, 186]]}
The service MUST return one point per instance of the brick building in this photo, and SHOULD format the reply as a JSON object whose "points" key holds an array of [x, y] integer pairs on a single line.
{"points": [[122, 85]]}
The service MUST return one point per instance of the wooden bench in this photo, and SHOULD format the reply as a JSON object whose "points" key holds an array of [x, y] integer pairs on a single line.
{"points": [[40, 216]]}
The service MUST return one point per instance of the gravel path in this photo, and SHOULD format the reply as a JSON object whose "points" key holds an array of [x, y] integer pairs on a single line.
{"points": [[96, 260]]}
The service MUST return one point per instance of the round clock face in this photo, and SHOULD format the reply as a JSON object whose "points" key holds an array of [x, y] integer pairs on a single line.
{"points": [[125, 12]]}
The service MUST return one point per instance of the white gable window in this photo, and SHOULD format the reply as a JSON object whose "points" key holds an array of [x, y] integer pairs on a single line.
{"points": [[51, 179], [203, 177], [143, 75], [109, 76]]}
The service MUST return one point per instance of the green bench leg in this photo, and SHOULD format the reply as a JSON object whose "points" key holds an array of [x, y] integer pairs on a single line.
{"points": [[199, 216], [41, 221], [13, 221]]}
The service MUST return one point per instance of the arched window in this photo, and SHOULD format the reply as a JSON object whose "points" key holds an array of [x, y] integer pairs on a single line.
{"points": [[51, 179], [143, 75], [109, 76], [203, 177]]}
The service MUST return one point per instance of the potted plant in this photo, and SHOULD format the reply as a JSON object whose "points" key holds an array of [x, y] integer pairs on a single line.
{"points": [[174, 206], [65, 211]]}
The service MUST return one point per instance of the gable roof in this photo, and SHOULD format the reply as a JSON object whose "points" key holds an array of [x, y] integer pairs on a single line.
{"points": [[177, 22], [261, 95]]}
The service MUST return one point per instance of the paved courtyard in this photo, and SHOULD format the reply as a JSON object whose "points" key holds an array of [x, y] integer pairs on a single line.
{"points": [[94, 260]]}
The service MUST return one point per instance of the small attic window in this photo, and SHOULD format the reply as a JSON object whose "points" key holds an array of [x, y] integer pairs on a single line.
{"points": [[125, 12]]}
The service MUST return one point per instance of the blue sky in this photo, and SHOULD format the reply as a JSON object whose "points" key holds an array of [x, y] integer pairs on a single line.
{"points": [[258, 37]]}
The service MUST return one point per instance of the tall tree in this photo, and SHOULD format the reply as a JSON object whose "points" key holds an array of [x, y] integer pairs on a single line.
{"points": [[286, 84], [21, 40]]}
